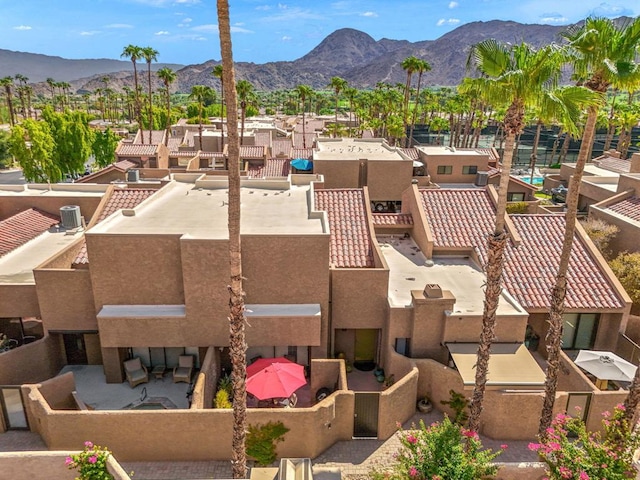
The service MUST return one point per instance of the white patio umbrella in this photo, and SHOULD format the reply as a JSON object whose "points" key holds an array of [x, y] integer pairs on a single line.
{"points": [[605, 365]]}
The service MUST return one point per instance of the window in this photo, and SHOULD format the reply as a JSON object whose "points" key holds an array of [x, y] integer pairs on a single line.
{"points": [[469, 169], [403, 346], [445, 169], [515, 197], [579, 331]]}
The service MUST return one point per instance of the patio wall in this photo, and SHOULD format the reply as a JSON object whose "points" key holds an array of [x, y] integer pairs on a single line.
{"points": [[204, 389], [398, 402], [32, 362], [47, 465], [521, 471]]}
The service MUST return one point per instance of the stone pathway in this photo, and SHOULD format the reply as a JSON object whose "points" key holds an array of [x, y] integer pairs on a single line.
{"points": [[349, 460]]}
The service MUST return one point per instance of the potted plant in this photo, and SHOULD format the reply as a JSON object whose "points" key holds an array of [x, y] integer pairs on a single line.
{"points": [[424, 405]]}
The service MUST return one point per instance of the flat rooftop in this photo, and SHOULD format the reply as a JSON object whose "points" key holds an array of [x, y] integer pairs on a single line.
{"points": [[17, 266], [438, 150], [189, 208], [592, 169], [355, 149], [409, 270]]}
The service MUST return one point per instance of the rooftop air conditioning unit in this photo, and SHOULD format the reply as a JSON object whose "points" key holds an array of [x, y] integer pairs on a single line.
{"points": [[482, 178], [133, 176], [70, 215]]}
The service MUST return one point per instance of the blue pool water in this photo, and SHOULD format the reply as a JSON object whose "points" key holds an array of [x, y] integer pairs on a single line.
{"points": [[537, 180]]}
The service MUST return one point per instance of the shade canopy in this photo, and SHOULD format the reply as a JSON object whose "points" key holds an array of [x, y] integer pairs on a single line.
{"points": [[274, 378], [605, 365], [302, 164], [417, 164]]}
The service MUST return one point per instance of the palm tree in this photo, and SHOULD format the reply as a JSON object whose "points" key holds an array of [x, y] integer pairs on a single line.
{"points": [[604, 56], [135, 53], [201, 94], [304, 92], [422, 66], [245, 93], [150, 55], [409, 65], [337, 84], [237, 344], [516, 76], [218, 72], [22, 83], [7, 83], [167, 76]]}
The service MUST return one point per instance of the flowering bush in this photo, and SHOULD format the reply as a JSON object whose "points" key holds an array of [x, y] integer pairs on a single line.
{"points": [[91, 463], [442, 451], [571, 452]]}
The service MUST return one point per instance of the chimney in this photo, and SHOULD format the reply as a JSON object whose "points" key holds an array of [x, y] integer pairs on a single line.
{"points": [[432, 290], [635, 163]]}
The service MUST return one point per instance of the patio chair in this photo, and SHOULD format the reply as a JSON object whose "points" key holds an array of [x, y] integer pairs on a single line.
{"points": [[182, 373], [136, 372]]}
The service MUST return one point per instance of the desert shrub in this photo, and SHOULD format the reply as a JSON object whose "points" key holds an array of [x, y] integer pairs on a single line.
{"points": [[262, 439]]}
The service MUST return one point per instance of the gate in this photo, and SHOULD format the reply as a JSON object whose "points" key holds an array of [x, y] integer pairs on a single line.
{"points": [[365, 424], [12, 408]]}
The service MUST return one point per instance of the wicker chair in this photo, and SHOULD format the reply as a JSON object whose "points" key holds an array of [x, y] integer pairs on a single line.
{"points": [[136, 372], [182, 373]]}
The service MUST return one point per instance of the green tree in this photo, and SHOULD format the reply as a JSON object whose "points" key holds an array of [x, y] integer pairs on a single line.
{"points": [[135, 53], [422, 66], [338, 84], [237, 342], [514, 75], [104, 147], [201, 94], [304, 92], [32, 144], [5, 154], [603, 56], [167, 76], [246, 97], [72, 139], [150, 55], [7, 83]]}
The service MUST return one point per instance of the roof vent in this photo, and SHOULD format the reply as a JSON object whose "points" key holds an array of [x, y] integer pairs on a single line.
{"points": [[70, 215], [133, 176], [432, 290]]}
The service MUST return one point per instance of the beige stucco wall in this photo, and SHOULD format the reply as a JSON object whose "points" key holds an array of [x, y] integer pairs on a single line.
{"points": [[627, 237], [339, 174], [33, 362], [428, 324], [457, 161], [359, 297], [19, 300], [388, 179], [66, 300], [467, 328], [421, 234], [204, 389], [50, 204], [522, 471]]}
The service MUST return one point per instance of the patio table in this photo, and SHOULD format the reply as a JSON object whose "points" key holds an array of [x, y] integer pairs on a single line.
{"points": [[158, 371]]}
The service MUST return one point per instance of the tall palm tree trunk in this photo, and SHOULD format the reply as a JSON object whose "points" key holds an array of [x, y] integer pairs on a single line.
{"points": [[138, 107], [554, 334], [150, 115], [237, 344]]}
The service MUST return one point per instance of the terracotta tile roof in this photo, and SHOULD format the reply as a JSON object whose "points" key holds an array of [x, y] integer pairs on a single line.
{"points": [[350, 236], [273, 167], [210, 154], [23, 227], [262, 139], [530, 269], [302, 153], [124, 165], [185, 153], [493, 171], [252, 151], [392, 219], [412, 153], [157, 137], [614, 164], [460, 218], [281, 147], [174, 143], [136, 150], [629, 207], [491, 152], [120, 198]]}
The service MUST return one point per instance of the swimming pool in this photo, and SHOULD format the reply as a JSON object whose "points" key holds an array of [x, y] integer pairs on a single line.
{"points": [[537, 179]]}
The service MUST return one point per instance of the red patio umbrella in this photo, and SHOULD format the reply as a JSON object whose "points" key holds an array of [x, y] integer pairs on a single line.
{"points": [[274, 378]]}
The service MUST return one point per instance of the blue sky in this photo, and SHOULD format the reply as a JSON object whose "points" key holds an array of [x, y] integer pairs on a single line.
{"points": [[185, 31]]}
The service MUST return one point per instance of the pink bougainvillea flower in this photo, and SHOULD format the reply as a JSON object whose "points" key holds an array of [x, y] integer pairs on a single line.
{"points": [[88, 444], [413, 471], [92, 459], [412, 440], [504, 446], [68, 461], [584, 476]]}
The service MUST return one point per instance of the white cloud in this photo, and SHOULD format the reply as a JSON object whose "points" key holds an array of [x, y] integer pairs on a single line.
{"points": [[453, 4], [369, 14], [292, 15], [212, 28], [447, 21], [118, 25], [187, 2], [88, 33], [283, 6], [263, 7], [286, 38], [553, 18], [22, 27], [162, 32], [239, 24]]}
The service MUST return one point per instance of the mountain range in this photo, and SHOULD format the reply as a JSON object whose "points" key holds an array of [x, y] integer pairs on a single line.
{"points": [[347, 53]]}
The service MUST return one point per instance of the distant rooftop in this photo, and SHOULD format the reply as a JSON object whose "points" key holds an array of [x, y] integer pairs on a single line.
{"points": [[629, 208], [200, 210], [355, 149], [53, 190], [439, 150], [23, 227]]}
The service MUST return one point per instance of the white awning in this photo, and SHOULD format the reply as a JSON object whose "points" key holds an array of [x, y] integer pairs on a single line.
{"points": [[282, 310], [511, 365]]}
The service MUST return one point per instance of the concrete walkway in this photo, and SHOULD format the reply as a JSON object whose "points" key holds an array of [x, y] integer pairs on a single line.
{"points": [[350, 460]]}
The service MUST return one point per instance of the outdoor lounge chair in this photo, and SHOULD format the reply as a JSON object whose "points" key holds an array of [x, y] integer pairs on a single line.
{"points": [[136, 372], [182, 373]]}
